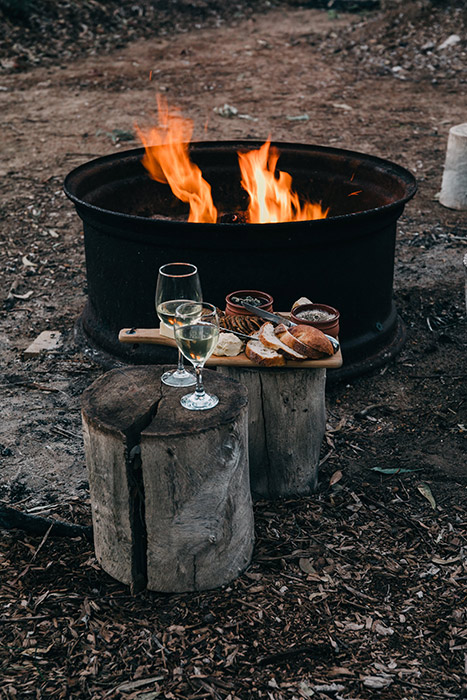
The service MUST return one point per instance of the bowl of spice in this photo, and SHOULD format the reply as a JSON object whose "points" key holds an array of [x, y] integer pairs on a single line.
{"points": [[234, 305], [321, 316]]}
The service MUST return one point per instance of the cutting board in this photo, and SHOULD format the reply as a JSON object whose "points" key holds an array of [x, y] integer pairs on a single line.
{"points": [[153, 336]]}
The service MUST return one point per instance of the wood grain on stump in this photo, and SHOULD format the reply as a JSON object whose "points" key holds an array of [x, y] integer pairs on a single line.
{"points": [[286, 425], [169, 487]]}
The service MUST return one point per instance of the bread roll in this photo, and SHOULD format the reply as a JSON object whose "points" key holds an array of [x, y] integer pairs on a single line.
{"points": [[308, 341], [270, 340]]}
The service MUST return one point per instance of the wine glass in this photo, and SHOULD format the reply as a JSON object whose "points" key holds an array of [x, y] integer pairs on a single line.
{"points": [[197, 339], [177, 282]]}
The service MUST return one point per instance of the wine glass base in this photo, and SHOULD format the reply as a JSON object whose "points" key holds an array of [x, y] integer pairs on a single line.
{"points": [[178, 378], [196, 402]]}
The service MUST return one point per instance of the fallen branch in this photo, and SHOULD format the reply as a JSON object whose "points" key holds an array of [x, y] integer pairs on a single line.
{"points": [[14, 519]]}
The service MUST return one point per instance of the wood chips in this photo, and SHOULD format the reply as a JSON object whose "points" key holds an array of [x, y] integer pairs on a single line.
{"points": [[357, 592]]}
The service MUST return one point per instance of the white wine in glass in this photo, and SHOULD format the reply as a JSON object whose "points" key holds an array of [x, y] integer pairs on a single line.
{"points": [[176, 284], [166, 312], [197, 339]]}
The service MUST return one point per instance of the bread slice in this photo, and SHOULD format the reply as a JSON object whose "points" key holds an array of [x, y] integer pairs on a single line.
{"points": [[270, 340], [280, 329], [300, 302], [309, 341], [261, 355]]}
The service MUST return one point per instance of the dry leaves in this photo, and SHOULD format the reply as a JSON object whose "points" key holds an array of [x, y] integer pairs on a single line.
{"points": [[335, 478]]}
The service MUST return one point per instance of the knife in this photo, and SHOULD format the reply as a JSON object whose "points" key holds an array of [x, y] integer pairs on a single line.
{"points": [[243, 336], [268, 316]]}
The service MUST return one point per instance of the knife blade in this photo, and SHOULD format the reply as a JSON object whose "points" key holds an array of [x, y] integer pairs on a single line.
{"points": [[267, 315], [243, 336]]}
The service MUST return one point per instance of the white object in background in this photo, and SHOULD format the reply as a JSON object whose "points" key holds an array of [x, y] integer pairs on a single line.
{"points": [[450, 41], [45, 342], [465, 269], [454, 186]]}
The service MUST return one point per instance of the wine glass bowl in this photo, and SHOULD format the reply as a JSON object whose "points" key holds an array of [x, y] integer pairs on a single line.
{"points": [[196, 338], [176, 283]]}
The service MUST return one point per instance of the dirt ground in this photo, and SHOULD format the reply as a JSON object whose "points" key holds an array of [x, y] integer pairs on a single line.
{"points": [[374, 82]]}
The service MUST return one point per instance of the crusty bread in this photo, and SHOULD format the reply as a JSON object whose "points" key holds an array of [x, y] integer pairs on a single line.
{"points": [[261, 355], [313, 337], [309, 341], [300, 302], [280, 329], [270, 340]]}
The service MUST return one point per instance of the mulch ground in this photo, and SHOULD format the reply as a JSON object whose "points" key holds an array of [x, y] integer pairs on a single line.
{"points": [[92, 26], [358, 592]]}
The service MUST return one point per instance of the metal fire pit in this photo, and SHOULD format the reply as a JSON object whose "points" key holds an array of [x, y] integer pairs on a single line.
{"points": [[132, 225]]}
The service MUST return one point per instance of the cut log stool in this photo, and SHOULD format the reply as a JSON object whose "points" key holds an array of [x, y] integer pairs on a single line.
{"points": [[287, 421], [170, 493], [454, 184]]}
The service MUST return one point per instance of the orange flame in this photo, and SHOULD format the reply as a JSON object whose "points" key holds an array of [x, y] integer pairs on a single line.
{"points": [[167, 160], [272, 199]]}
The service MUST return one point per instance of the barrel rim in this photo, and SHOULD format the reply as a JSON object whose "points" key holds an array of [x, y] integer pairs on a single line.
{"points": [[403, 175]]}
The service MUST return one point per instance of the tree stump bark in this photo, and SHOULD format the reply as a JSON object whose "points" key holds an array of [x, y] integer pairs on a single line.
{"points": [[287, 421], [170, 493]]}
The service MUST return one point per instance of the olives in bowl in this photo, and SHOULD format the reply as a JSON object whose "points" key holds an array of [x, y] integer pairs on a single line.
{"points": [[234, 306]]}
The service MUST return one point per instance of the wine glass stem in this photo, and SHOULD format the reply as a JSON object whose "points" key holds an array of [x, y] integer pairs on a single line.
{"points": [[199, 390], [180, 366]]}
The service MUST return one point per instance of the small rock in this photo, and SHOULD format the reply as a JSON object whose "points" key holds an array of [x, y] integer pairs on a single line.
{"points": [[227, 111], [450, 41]]}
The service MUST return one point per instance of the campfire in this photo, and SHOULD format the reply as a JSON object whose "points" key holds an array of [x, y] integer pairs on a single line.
{"points": [[289, 219], [271, 197]]}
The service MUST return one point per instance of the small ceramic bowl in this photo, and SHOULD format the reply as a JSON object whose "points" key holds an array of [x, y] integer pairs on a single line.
{"points": [[233, 307], [329, 323]]}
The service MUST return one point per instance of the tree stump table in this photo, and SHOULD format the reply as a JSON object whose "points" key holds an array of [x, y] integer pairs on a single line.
{"points": [[170, 493], [287, 421], [287, 416]]}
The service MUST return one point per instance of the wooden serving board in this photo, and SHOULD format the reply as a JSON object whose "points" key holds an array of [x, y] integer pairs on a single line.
{"points": [[153, 336]]}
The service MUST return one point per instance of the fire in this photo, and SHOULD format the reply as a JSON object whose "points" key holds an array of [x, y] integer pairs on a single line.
{"points": [[167, 160], [272, 199]]}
